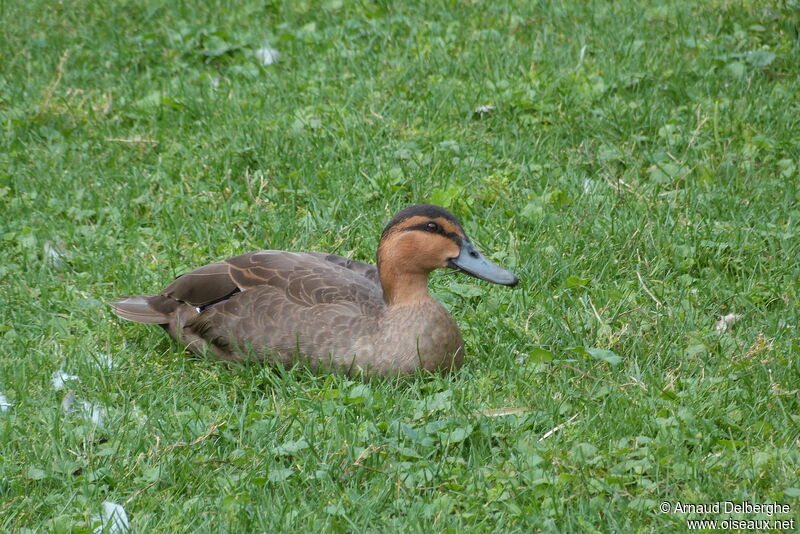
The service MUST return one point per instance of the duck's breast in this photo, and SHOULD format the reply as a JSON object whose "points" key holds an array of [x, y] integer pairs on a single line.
{"points": [[415, 336]]}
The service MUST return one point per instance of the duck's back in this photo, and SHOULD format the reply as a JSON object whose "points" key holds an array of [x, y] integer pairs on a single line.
{"points": [[267, 304]]}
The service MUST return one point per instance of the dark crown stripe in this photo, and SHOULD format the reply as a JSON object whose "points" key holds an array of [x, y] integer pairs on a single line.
{"points": [[424, 210]]}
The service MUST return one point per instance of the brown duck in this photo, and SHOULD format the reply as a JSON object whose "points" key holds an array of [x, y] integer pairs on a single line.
{"points": [[327, 311]]}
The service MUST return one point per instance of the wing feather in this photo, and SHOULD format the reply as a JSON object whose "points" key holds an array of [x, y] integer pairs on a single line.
{"points": [[266, 300]]}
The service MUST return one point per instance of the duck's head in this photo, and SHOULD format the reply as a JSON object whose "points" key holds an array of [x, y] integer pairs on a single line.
{"points": [[422, 238]]}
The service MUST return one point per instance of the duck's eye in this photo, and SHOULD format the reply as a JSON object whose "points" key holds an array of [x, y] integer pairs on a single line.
{"points": [[432, 227]]}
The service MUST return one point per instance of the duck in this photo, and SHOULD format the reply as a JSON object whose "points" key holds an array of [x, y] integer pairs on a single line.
{"points": [[326, 311]]}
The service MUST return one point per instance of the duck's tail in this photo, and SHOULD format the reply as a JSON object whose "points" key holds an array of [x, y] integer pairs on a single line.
{"points": [[139, 309]]}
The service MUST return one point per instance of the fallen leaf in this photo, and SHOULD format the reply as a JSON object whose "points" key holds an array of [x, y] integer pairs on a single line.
{"points": [[291, 447], [539, 354], [573, 282], [279, 475], [34, 473], [606, 355]]}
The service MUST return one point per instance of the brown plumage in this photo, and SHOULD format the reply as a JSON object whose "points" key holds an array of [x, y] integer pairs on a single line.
{"points": [[330, 312]]}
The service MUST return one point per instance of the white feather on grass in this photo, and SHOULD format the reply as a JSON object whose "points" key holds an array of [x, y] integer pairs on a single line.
{"points": [[103, 361], [5, 404], [92, 413], [112, 519], [726, 321], [266, 55], [60, 377], [53, 255]]}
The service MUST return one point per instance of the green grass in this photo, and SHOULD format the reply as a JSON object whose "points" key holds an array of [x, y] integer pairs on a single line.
{"points": [[639, 173]]}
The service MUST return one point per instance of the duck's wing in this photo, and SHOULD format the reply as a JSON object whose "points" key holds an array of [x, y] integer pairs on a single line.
{"points": [[306, 279], [368, 271], [266, 303], [198, 289]]}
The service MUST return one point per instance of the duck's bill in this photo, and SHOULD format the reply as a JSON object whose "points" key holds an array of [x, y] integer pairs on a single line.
{"points": [[473, 263]]}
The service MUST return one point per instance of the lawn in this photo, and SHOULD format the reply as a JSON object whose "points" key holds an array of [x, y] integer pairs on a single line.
{"points": [[635, 163]]}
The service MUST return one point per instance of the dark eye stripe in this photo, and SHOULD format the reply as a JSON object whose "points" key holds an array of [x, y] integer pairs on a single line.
{"points": [[423, 227]]}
